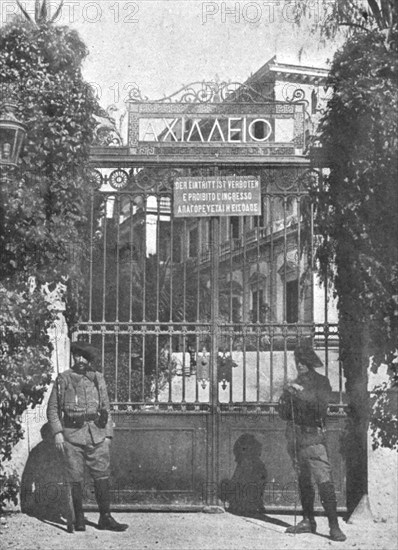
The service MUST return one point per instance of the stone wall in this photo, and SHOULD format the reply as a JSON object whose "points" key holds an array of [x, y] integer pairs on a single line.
{"points": [[33, 419]]}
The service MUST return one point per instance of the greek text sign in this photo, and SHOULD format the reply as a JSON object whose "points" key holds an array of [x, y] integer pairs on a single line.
{"points": [[217, 196], [195, 131]]}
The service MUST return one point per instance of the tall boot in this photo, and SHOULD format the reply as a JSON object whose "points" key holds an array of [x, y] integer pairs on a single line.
{"points": [[102, 496], [307, 497], [77, 500], [329, 502]]}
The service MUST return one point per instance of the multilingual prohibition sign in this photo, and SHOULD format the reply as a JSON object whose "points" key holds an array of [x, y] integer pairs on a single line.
{"points": [[217, 196]]}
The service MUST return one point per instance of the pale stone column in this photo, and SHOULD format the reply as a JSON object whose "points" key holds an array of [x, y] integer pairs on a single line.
{"points": [[382, 469], [380, 504], [34, 418]]}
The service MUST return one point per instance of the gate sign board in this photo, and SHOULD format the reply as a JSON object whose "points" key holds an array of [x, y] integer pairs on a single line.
{"points": [[217, 196], [214, 122]]}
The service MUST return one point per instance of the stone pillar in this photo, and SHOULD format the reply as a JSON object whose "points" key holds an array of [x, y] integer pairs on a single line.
{"points": [[33, 419], [380, 504], [382, 467]]}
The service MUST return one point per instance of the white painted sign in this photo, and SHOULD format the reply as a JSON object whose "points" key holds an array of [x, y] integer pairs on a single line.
{"points": [[217, 196]]}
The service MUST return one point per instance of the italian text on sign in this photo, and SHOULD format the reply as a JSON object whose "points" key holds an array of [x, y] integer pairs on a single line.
{"points": [[217, 196]]}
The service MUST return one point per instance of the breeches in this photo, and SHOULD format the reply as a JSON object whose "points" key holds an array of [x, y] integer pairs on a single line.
{"points": [[313, 463], [96, 457]]}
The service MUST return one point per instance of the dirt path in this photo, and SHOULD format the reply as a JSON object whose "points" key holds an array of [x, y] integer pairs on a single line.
{"points": [[190, 531]]}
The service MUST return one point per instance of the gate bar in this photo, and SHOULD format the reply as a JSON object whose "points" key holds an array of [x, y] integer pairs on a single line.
{"points": [[211, 496]]}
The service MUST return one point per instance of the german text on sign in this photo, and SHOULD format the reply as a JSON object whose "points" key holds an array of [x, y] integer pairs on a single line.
{"points": [[217, 196]]}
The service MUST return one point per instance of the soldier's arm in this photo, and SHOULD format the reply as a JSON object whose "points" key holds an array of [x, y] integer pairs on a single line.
{"points": [[317, 393], [308, 394], [285, 406], [53, 408], [325, 391]]}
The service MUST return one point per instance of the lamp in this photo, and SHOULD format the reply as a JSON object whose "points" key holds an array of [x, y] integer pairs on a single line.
{"points": [[12, 135]]}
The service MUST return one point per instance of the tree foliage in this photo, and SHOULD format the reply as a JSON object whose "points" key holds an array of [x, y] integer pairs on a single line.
{"points": [[354, 15], [43, 207], [25, 367], [357, 205]]}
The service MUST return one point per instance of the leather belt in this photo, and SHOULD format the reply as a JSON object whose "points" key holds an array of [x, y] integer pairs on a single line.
{"points": [[79, 421]]}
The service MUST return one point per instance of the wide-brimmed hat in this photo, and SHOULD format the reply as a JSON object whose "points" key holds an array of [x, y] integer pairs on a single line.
{"points": [[305, 354], [84, 349]]}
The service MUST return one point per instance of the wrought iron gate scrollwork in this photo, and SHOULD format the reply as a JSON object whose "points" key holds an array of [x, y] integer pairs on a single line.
{"points": [[154, 279]]}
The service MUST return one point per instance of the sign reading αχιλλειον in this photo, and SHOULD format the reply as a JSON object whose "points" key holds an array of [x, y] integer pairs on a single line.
{"points": [[217, 196]]}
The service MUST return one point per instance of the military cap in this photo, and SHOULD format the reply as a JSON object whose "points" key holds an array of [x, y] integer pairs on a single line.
{"points": [[84, 349], [305, 355]]}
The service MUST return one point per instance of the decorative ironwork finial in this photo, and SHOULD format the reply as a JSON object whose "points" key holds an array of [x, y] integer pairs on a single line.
{"points": [[212, 91]]}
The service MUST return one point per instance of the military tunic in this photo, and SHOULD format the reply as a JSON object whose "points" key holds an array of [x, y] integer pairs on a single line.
{"points": [[306, 412], [74, 408]]}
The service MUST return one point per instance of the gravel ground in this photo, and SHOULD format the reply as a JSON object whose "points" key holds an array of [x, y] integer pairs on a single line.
{"points": [[190, 531]]}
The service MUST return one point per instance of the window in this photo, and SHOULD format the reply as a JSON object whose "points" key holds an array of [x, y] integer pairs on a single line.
{"points": [[314, 102], [258, 221], [282, 208], [209, 235], [165, 205], [164, 241], [258, 305], [292, 301], [234, 227], [236, 318], [177, 249], [224, 229], [193, 243]]}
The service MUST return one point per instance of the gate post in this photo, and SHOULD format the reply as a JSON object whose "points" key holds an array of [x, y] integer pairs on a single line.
{"points": [[213, 436]]}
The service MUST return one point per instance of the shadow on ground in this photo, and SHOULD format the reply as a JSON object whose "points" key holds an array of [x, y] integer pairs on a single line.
{"points": [[44, 492]]}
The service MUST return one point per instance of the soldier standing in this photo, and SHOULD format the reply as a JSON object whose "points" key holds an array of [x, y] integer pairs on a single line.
{"points": [[79, 416], [304, 405]]}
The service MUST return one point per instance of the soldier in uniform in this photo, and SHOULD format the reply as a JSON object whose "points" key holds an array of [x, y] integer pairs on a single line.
{"points": [[79, 416], [304, 405]]}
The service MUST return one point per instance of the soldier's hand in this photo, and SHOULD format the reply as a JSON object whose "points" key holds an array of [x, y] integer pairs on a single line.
{"points": [[59, 442], [293, 388]]}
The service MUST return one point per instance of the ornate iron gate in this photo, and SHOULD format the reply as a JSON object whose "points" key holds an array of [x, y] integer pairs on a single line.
{"points": [[196, 320]]}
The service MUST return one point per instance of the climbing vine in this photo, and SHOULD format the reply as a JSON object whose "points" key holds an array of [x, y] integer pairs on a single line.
{"points": [[43, 209]]}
